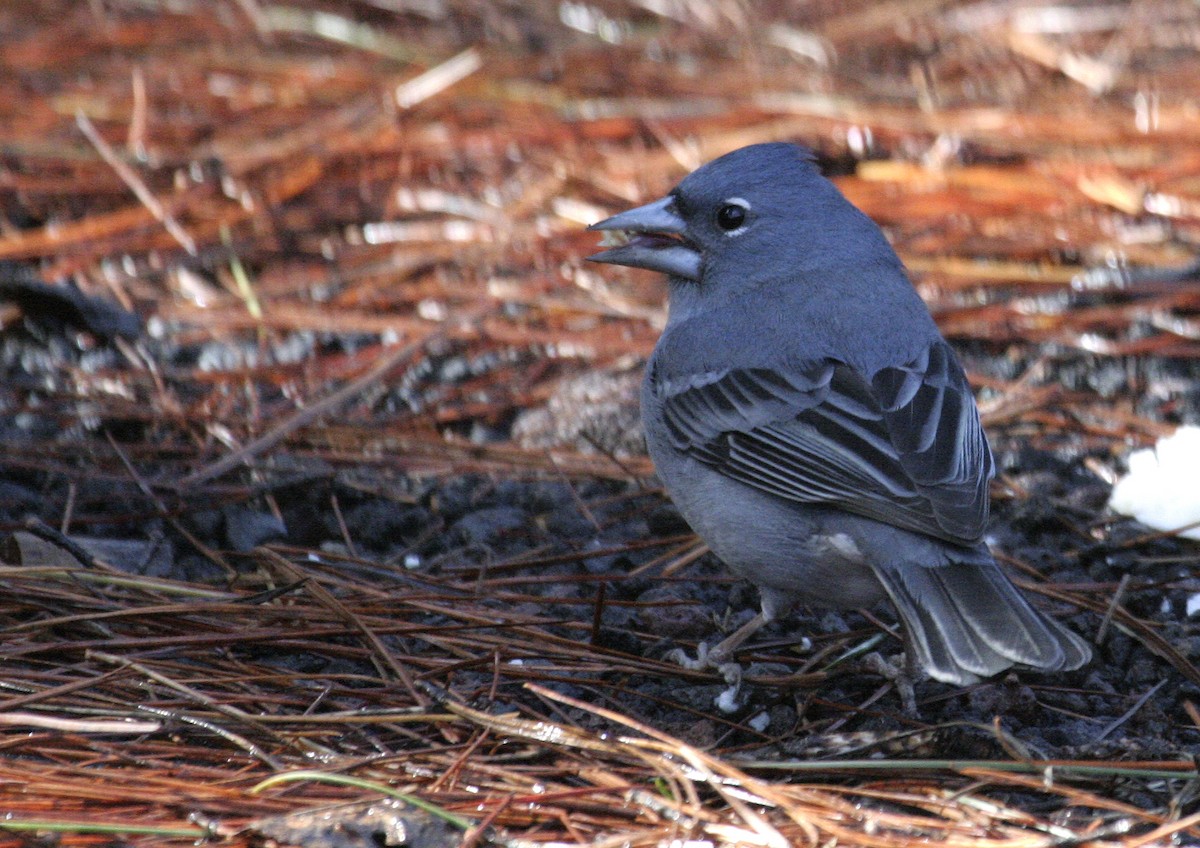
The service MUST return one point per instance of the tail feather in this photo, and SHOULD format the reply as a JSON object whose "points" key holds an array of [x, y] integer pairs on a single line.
{"points": [[966, 621], [956, 635]]}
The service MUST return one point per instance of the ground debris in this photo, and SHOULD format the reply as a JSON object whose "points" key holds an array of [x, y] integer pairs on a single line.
{"points": [[324, 428]]}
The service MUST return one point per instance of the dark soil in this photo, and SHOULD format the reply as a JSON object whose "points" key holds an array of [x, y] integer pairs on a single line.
{"points": [[574, 556]]}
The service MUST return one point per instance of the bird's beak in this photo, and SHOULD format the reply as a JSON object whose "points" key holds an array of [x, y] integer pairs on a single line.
{"points": [[650, 237]]}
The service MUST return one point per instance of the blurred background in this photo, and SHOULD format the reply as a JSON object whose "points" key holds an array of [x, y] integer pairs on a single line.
{"points": [[265, 184]]}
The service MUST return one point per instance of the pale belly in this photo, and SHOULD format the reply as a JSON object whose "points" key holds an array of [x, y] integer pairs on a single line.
{"points": [[794, 553]]}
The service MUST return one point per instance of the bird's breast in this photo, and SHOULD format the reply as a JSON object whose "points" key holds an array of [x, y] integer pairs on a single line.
{"points": [[795, 551]]}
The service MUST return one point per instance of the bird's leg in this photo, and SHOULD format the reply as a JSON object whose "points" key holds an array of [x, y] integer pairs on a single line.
{"points": [[723, 650], [719, 654], [718, 657], [901, 674]]}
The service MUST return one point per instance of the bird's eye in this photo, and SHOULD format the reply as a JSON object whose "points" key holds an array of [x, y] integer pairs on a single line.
{"points": [[731, 216]]}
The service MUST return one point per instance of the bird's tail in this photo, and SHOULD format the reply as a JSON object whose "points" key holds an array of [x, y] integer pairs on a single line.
{"points": [[966, 621]]}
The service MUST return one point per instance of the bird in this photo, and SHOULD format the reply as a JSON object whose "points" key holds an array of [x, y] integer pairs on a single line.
{"points": [[812, 425]]}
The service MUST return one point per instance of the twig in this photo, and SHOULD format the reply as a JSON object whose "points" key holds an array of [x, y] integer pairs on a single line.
{"points": [[308, 414], [135, 183], [378, 650], [1129, 713], [199, 698], [121, 727]]}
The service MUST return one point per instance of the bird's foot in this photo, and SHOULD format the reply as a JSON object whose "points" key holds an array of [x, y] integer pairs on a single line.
{"points": [[718, 658], [899, 674], [728, 701], [705, 658]]}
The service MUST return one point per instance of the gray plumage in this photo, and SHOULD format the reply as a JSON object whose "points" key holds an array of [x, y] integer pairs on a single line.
{"points": [[810, 422]]}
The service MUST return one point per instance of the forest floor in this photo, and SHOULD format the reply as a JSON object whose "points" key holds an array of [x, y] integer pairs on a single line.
{"points": [[321, 476]]}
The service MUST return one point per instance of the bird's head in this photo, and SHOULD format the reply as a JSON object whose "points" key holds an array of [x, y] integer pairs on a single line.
{"points": [[767, 201]]}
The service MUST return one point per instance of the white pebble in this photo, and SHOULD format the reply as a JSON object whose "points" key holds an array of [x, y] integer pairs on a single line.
{"points": [[1162, 488]]}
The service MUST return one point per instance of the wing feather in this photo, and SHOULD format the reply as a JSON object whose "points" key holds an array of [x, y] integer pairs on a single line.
{"points": [[903, 446]]}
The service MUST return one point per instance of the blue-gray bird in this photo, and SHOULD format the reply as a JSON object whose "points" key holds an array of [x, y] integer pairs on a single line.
{"points": [[810, 422]]}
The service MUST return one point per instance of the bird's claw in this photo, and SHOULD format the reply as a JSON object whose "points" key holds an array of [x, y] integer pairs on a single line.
{"points": [[729, 701], [899, 675], [680, 657], [706, 657], [709, 658]]}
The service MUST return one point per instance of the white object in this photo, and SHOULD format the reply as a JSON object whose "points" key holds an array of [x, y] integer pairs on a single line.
{"points": [[1162, 488]]}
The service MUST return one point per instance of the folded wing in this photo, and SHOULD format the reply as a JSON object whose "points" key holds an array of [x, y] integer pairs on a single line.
{"points": [[903, 446]]}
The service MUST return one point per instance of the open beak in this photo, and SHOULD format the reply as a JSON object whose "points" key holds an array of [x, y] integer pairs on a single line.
{"points": [[654, 240]]}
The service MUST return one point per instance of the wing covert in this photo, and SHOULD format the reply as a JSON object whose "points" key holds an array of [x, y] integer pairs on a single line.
{"points": [[904, 446]]}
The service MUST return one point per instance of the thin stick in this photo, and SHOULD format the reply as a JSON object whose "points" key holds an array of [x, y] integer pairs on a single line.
{"points": [[135, 183], [307, 415]]}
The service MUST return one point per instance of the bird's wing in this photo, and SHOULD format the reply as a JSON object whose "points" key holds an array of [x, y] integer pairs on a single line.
{"points": [[904, 447]]}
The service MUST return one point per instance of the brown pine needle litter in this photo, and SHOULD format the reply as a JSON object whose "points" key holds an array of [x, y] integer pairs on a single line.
{"points": [[354, 543]]}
